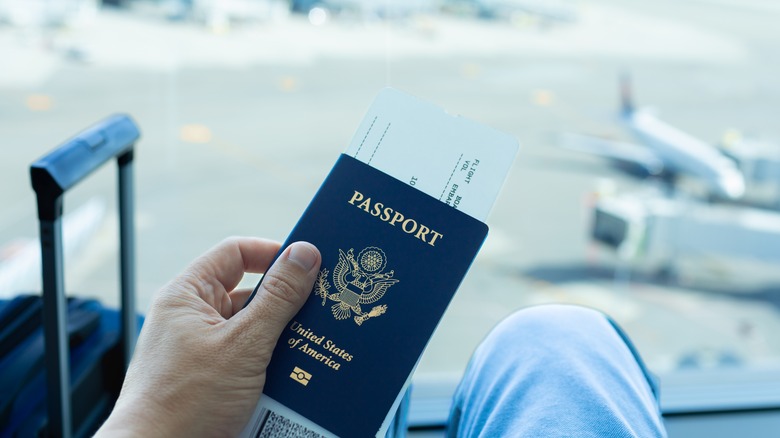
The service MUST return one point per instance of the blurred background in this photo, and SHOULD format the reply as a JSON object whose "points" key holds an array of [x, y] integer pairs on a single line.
{"points": [[647, 186]]}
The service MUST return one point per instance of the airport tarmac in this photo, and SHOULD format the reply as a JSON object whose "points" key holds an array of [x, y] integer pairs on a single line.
{"points": [[240, 127]]}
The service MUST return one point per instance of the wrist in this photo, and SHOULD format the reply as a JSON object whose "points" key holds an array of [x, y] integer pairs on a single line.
{"points": [[138, 419]]}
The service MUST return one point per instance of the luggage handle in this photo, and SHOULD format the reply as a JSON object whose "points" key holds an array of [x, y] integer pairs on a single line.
{"points": [[52, 175]]}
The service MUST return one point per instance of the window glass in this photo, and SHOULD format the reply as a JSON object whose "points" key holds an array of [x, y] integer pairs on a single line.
{"points": [[661, 211]]}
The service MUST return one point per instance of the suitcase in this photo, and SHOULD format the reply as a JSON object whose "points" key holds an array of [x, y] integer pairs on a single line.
{"points": [[62, 361], [95, 367]]}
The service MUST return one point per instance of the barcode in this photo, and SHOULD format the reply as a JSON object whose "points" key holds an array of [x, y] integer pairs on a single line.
{"points": [[273, 425]]}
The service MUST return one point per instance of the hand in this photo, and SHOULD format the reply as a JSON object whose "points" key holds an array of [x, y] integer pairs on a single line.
{"points": [[199, 365]]}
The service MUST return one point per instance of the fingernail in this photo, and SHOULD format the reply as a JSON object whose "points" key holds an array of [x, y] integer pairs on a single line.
{"points": [[304, 254]]}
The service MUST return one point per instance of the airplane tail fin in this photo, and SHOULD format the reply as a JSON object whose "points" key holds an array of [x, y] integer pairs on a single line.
{"points": [[626, 95]]}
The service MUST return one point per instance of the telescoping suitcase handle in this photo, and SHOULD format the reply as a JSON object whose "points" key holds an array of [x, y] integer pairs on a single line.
{"points": [[53, 175]]}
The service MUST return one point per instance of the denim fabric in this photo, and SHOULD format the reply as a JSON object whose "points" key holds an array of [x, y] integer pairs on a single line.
{"points": [[552, 371]]}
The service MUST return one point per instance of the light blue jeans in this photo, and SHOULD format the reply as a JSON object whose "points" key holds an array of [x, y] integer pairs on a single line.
{"points": [[553, 371]]}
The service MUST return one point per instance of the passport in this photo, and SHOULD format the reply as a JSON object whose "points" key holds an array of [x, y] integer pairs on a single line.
{"points": [[393, 256]]}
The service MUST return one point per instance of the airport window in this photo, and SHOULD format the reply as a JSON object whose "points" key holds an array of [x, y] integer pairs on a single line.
{"points": [[647, 185]]}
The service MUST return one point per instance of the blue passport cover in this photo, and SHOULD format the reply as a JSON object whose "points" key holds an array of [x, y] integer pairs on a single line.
{"points": [[392, 259]]}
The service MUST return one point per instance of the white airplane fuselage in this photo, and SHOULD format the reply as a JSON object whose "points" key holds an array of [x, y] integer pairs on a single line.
{"points": [[682, 153]]}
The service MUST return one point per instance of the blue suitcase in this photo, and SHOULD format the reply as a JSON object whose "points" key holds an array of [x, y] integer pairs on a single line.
{"points": [[62, 361]]}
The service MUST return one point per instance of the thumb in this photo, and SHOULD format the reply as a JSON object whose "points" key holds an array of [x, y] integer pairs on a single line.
{"points": [[282, 292]]}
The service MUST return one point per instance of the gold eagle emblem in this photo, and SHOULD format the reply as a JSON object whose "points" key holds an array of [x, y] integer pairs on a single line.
{"points": [[359, 281]]}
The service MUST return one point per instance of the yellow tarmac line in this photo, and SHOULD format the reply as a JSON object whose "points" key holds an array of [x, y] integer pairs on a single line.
{"points": [[39, 102], [543, 98], [194, 133], [201, 134], [288, 84]]}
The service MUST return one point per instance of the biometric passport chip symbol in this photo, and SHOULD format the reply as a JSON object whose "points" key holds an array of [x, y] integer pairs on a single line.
{"points": [[358, 281], [300, 376]]}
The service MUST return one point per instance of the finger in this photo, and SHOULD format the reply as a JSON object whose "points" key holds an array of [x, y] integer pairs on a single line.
{"points": [[284, 289], [227, 262], [238, 297]]}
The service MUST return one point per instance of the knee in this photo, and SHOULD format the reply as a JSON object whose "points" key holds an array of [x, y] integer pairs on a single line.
{"points": [[553, 329], [549, 362], [561, 320]]}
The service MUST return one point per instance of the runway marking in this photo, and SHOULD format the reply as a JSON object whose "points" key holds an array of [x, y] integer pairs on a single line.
{"points": [[543, 97], [194, 133], [288, 84], [39, 102], [202, 134]]}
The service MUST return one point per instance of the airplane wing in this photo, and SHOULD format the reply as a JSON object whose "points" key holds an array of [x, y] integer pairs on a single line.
{"points": [[633, 158]]}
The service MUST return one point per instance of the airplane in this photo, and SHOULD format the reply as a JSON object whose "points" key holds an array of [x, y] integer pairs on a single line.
{"points": [[659, 226], [665, 152], [681, 152]]}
